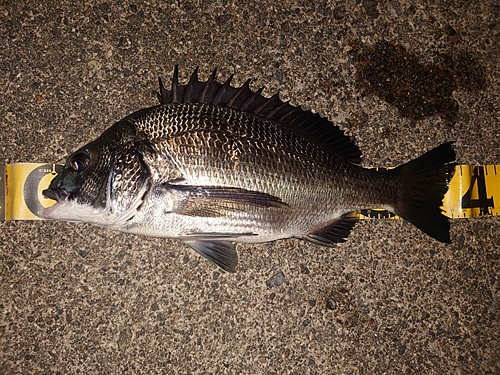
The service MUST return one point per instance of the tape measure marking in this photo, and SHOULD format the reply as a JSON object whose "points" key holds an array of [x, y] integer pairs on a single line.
{"points": [[3, 196], [23, 185], [474, 191]]}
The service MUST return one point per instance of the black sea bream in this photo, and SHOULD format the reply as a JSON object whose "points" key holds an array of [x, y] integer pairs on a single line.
{"points": [[213, 164]]}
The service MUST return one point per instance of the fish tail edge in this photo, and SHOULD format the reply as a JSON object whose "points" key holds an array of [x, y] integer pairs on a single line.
{"points": [[424, 183]]}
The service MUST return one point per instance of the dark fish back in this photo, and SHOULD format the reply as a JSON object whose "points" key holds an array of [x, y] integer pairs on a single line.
{"points": [[303, 123]]}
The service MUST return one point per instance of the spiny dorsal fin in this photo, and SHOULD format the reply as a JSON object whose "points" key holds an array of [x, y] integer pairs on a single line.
{"points": [[307, 124]]}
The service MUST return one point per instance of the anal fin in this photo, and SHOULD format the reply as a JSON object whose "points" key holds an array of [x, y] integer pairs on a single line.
{"points": [[336, 232]]}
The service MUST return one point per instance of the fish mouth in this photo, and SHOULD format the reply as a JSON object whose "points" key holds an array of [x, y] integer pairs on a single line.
{"points": [[59, 195], [58, 210]]}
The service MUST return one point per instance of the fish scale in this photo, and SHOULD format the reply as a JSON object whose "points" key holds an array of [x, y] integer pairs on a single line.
{"points": [[215, 164], [269, 173]]}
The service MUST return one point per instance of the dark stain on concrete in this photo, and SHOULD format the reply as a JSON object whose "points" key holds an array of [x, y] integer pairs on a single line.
{"points": [[418, 90]]}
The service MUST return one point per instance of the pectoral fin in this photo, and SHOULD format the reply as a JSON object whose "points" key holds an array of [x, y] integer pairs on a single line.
{"points": [[218, 201], [222, 253]]}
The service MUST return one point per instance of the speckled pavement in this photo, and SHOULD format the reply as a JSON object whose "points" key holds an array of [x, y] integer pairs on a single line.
{"points": [[401, 76]]}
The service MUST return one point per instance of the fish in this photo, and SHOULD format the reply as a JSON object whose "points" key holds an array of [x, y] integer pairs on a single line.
{"points": [[213, 165]]}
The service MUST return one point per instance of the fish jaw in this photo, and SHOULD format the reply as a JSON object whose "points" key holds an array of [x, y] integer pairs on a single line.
{"points": [[109, 216], [60, 211], [71, 211]]}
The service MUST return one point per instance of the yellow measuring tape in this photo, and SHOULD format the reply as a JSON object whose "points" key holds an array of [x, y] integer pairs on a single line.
{"points": [[474, 191], [21, 186]]}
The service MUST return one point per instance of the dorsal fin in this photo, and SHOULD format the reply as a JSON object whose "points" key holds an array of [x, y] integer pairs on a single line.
{"points": [[307, 124]]}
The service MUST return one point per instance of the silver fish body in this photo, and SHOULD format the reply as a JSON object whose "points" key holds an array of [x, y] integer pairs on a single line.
{"points": [[213, 164]]}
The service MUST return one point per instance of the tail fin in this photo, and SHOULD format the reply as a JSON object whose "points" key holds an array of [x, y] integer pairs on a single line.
{"points": [[424, 182]]}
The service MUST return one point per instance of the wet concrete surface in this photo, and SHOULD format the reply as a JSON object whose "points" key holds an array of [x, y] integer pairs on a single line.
{"points": [[400, 76]]}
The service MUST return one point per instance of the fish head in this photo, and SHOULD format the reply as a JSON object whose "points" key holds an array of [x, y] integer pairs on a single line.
{"points": [[80, 190], [102, 183]]}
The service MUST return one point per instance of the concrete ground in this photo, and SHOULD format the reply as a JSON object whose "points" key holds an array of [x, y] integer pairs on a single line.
{"points": [[401, 76]]}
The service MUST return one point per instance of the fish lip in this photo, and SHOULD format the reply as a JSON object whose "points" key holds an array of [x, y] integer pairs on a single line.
{"points": [[59, 195]]}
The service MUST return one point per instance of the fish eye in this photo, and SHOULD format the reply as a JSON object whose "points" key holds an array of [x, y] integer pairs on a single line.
{"points": [[79, 162]]}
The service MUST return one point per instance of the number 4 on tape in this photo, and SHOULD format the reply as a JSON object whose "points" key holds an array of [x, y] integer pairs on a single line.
{"points": [[474, 191]]}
